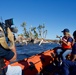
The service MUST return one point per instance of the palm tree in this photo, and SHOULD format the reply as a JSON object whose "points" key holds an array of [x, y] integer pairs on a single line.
{"points": [[36, 35], [43, 26], [30, 33], [33, 29], [45, 32], [40, 30], [34, 32], [23, 24], [26, 33]]}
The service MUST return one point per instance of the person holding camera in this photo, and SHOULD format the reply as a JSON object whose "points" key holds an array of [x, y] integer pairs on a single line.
{"points": [[8, 54]]}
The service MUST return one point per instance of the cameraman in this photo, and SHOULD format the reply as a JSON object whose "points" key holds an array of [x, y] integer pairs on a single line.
{"points": [[8, 54]]}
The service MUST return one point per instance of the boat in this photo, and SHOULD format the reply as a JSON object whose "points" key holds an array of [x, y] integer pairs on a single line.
{"points": [[38, 64]]}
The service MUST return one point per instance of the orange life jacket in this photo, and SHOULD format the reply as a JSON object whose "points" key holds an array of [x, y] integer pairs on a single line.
{"points": [[64, 46]]}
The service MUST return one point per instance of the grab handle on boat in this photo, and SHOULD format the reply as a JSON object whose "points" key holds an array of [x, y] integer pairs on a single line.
{"points": [[32, 66]]}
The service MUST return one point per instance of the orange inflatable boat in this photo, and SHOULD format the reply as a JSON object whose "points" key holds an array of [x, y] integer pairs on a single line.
{"points": [[35, 64]]}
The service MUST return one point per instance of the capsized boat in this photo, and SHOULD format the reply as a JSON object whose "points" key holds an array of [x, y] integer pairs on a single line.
{"points": [[39, 64]]}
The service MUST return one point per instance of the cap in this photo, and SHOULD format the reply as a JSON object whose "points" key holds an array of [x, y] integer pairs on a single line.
{"points": [[66, 30]]}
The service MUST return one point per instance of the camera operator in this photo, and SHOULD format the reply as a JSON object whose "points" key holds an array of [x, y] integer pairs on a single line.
{"points": [[8, 54]]}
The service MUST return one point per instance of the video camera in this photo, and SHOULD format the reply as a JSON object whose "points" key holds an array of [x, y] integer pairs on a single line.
{"points": [[8, 23]]}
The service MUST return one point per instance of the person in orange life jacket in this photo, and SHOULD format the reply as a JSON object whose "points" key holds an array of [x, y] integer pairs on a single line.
{"points": [[66, 45], [69, 66], [5, 52]]}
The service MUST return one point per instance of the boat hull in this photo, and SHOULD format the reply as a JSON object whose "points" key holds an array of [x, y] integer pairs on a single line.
{"points": [[34, 64]]}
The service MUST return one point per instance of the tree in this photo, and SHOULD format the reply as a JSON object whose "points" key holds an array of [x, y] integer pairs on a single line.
{"points": [[23, 24], [36, 35], [34, 32], [40, 30], [26, 33], [43, 26], [30, 32], [45, 32]]}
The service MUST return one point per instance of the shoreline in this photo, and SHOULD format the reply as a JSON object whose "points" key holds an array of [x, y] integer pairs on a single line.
{"points": [[38, 40]]}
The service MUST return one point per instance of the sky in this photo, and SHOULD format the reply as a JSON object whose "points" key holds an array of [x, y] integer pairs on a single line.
{"points": [[55, 14]]}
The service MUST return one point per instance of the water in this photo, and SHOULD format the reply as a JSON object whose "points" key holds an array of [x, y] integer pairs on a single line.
{"points": [[25, 51]]}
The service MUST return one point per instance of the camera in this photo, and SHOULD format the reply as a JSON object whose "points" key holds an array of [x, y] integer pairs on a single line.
{"points": [[8, 23]]}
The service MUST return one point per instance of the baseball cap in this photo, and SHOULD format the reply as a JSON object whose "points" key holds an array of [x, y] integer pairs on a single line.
{"points": [[66, 30]]}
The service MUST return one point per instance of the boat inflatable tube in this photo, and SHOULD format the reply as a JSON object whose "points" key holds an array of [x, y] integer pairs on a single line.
{"points": [[34, 64]]}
